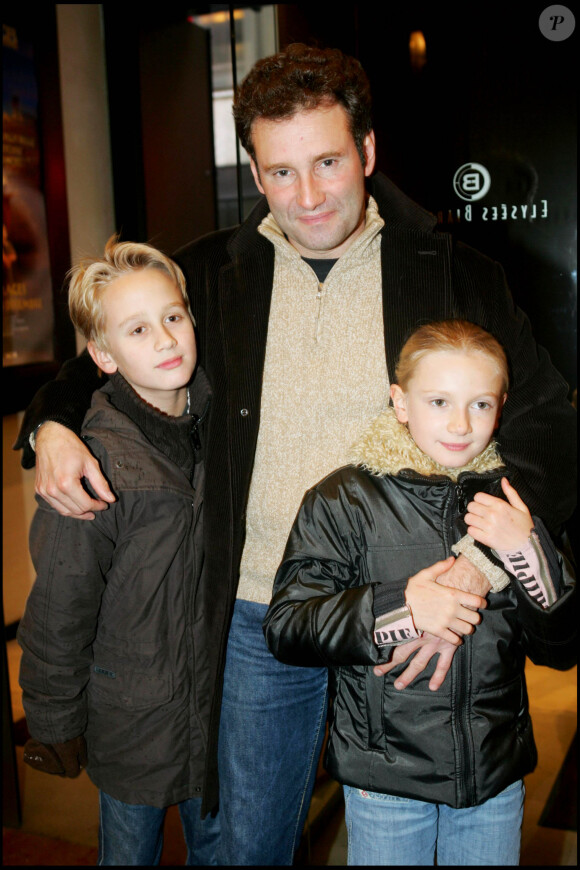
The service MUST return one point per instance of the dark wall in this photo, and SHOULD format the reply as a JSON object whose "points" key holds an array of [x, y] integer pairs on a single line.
{"points": [[159, 80], [494, 91]]}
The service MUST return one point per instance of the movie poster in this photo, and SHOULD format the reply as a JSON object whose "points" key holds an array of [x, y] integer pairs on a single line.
{"points": [[27, 311]]}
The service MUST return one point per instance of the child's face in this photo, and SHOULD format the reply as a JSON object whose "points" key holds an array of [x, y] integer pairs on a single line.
{"points": [[150, 337], [452, 405]]}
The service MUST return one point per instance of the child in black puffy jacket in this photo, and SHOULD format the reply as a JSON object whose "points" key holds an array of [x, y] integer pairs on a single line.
{"points": [[426, 773]]}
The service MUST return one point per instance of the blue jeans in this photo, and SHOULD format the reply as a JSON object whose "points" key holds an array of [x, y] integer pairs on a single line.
{"points": [[388, 830], [271, 731], [132, 834]]}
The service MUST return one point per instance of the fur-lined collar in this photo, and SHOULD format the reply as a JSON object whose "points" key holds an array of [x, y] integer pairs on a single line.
{"points": [[386, 447]]}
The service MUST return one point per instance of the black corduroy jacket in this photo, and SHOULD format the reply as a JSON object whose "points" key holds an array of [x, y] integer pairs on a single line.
{"points": [[425, 277]]}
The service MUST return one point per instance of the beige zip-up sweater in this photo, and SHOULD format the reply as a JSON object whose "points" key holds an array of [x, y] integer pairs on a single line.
{"points": [[325, 379]]}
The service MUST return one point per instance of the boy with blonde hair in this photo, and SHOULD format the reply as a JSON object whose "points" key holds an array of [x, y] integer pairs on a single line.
{"points": [[113, 669]]}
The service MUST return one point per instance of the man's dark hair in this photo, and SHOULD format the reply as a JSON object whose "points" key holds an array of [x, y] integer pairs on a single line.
{"points": [[302, 77]]}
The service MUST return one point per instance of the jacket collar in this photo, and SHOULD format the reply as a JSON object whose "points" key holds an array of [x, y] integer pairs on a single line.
{"points": [[386, 447], [176, 437], [245, 239], [397, 209]]}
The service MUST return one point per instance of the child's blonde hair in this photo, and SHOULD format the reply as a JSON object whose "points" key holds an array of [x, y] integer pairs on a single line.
{"points": [[449, 335], [93, 275]]}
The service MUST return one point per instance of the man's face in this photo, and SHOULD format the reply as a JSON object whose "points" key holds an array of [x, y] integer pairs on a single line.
{"points": [[311, 173]]}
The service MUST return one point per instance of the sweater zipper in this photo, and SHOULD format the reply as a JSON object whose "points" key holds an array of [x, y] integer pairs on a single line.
{"points": [[320, 297]]}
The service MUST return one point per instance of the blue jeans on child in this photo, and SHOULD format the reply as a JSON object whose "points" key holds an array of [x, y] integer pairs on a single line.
{"points": [[388, 830], [272, 727], [132, 834]]}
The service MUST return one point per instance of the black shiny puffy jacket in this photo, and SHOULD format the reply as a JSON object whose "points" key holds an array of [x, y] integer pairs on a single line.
{"points": [[473, 737]]}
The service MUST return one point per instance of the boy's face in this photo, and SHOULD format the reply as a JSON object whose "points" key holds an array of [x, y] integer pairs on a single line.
{"points": [[311, 173], [150, 337], [452, 405]]}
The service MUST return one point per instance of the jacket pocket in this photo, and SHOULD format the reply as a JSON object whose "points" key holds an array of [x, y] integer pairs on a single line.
{"points": [[392, 563], [348, 720], [130, 690]]}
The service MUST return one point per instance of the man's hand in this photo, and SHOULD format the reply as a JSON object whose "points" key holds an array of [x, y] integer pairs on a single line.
{"points": [[428, 646], [465, 576], [62, 460], [458, 574], [442, 610]]}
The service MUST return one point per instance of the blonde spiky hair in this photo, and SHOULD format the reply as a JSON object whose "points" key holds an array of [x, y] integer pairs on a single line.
{"points": [[92, 275]]}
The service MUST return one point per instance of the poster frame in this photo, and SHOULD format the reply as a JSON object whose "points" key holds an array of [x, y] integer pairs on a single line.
{"points": [[21, 382]]}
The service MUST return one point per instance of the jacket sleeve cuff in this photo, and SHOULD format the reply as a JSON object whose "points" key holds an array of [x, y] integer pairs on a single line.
{"points": [[529, 566], [497, 577], [395, 627], [389, 596]]}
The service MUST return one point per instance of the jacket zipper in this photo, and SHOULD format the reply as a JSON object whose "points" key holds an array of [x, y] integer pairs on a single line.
{"points": [[196, 438], [462, 694], [460, 497]]}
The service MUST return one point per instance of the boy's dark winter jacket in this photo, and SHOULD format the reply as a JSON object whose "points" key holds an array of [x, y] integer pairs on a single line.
{"points": [[113, 637], [361, 527]]}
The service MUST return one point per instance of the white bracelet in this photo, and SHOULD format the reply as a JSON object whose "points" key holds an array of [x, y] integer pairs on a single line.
{"points": [[497, 576]]}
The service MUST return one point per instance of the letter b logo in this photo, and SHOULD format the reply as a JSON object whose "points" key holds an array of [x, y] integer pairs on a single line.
{"points": [[471, 181]]}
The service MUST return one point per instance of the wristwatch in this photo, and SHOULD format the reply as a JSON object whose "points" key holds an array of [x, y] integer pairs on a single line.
{"points": [[32, 437]]}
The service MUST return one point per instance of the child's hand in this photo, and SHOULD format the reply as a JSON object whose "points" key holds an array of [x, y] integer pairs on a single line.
{"points": [[497, 524]]}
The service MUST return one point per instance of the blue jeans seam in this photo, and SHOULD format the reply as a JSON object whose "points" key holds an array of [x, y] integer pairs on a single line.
{"points": [[321, 718], [101, 841], [285, 803]]}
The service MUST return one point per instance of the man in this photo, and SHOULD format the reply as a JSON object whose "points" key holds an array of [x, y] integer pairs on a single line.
{"points": [[301, 314]]}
